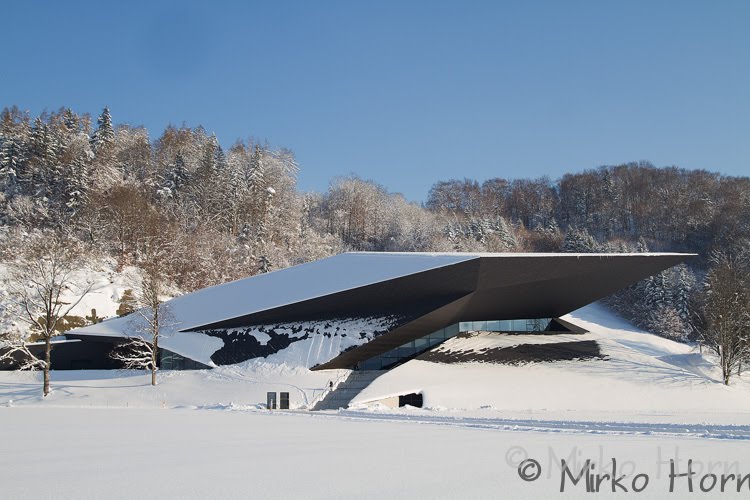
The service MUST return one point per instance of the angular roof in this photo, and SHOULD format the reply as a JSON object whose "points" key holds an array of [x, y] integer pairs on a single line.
{"points": [[286, 286], [441, 287]]}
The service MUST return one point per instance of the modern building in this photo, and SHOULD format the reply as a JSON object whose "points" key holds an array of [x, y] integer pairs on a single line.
{"points": [[367, 311]]}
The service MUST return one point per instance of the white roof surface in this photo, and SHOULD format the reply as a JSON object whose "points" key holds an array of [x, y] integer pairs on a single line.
{"points": [[303, 282], [286, 286]]}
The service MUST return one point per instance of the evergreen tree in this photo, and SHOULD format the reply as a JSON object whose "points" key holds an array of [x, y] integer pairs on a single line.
{"points": [[657, 291], [104, 135], [256, 174], [579, 241], [208, 165], [70, 120], [44, 170], [175, 178], [683, 288], [76, 185], [504, 233], [666, 321], [11, 160], [220, 159]]}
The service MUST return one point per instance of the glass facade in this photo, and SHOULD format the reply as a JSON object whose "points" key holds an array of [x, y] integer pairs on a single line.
{"points": [[506, 325], [408, 350], [173, 361], [411, 349]]}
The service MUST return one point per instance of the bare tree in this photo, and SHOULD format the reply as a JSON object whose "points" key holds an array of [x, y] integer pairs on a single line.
{"points": [[725, 322], [15, 352], [137, 353], [36, 281], [141, 350]]}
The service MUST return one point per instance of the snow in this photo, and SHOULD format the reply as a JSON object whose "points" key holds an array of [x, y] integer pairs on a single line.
{"points": [[326, 338], [243, 384], [645, 378], [153, 453], [303, 282], [204, 433], [106, 289], [286, 286], [644, 375], [192, 345]]}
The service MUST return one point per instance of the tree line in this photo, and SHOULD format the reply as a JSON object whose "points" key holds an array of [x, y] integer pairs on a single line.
{"points": [[230, 212]]}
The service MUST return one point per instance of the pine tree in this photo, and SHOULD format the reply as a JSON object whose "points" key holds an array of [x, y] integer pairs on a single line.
{"points": [[682, 290], [70, 120], [45, 173], [666, 321], [176, 177], [642, 246], [579, 241], [11, 158], [504, 233], [220, 159], [657, 291], [477, 230], [104, 135], [76, 185], [208, 164], [256, 174]]}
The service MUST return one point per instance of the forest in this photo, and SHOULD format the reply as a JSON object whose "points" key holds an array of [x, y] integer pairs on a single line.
{"points": [[224, 212]]}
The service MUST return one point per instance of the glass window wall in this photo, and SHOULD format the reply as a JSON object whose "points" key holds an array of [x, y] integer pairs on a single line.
{"points": [[415, 347]]}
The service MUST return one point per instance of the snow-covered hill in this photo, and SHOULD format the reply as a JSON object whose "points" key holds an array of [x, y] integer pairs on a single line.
{"points": [[638, 374], [106, 286], [638, 377]]}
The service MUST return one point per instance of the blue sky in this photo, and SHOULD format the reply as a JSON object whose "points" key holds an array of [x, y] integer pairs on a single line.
{"points": [[406, 92]]}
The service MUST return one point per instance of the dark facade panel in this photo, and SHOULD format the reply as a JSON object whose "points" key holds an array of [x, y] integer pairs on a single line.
{"points": [[521, 287], [434, 320]]}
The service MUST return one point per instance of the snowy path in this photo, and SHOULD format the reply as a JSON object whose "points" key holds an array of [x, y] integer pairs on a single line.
{"points": [[711, 431]]}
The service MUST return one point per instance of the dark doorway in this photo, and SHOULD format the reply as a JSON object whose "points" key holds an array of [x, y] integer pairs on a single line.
{"points": [[271, 400], [411, 400], [283, 400]]}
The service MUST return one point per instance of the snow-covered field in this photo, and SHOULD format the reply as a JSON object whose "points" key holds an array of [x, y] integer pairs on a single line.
{"points": [[205, 434], [644, 377], [177, 453]]}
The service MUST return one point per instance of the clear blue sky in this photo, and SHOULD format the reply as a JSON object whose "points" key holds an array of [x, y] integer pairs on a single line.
{"points": [[405, 92]]}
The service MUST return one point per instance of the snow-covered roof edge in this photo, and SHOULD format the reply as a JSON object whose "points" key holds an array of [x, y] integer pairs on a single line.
{"points": [[287, 286]]}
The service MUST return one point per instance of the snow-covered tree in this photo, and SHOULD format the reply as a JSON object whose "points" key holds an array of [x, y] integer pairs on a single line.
{"points": [[504, 233], [104, 135], [657, 291], [724, 323], [177, 175], [578, 240], [36, 282], [682, 291], [141, 350], [11, 160], [665, 321]]}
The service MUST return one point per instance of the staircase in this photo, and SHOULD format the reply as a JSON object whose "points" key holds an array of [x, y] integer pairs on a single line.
{"points": [[347, 390]]}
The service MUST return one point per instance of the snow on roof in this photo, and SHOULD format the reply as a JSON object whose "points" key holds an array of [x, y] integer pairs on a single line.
{"points": [[303, 282], [286, 286], [58, 340]]}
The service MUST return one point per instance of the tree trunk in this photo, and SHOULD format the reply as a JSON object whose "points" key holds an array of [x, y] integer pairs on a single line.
{"points": [[47, 357], [154, 357], [155, 351], [726, 371]]}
